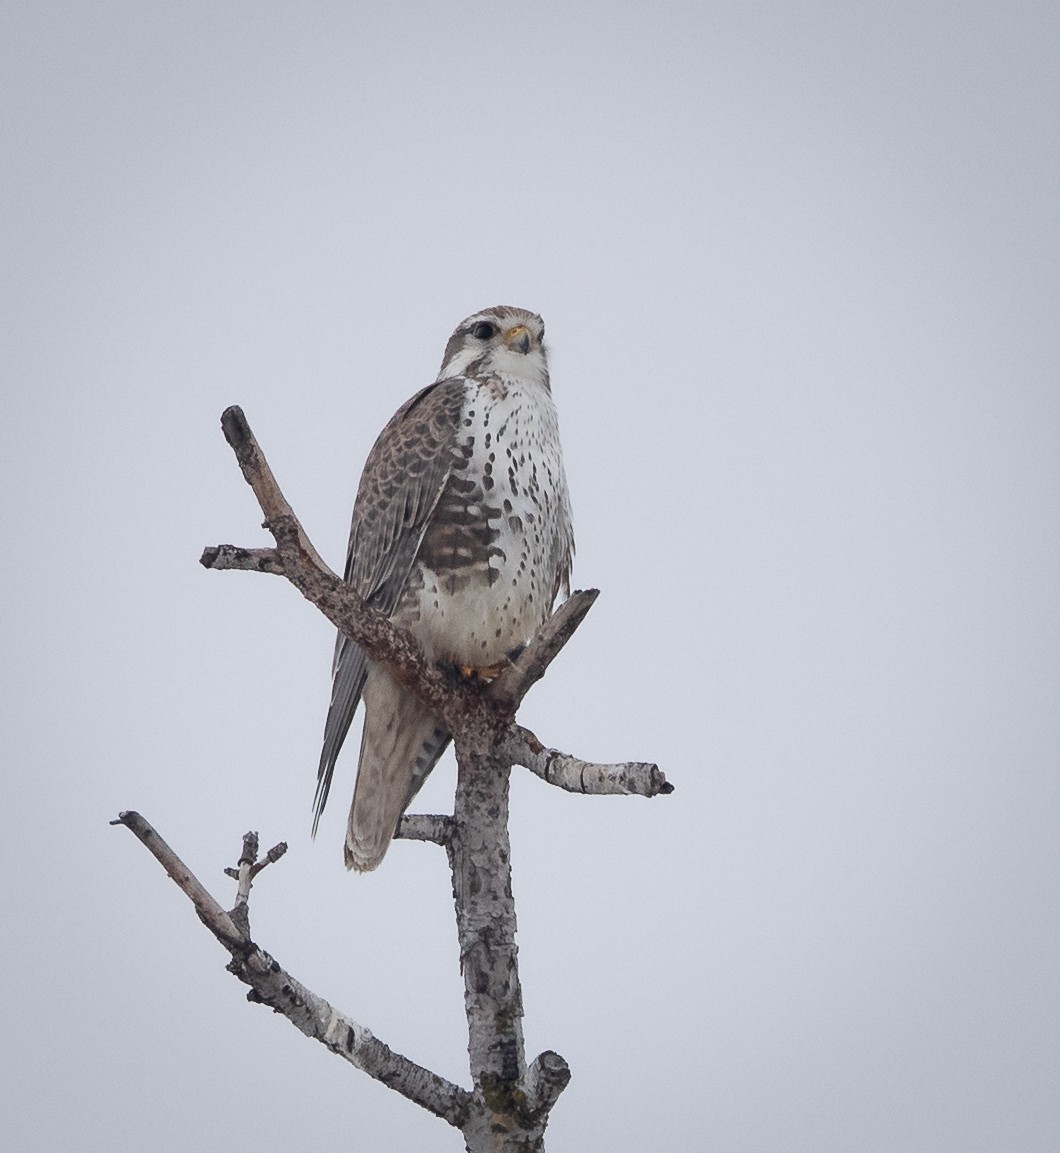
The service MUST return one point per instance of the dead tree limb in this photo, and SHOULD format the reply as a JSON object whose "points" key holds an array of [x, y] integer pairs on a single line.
{"points": [[508, 1107], [521, 747], [272, 985]]}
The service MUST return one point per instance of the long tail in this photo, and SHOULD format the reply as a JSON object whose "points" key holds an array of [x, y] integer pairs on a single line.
{"points": [[402, 742]]}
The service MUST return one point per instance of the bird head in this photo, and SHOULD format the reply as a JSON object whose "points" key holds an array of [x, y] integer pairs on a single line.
{"points": [[500, 341]]}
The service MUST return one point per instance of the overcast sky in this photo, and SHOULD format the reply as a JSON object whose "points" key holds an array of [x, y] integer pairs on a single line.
{"points": [[800, 269]]}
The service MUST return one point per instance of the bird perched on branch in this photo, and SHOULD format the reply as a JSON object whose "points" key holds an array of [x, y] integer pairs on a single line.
{"points": [[462, 535]]}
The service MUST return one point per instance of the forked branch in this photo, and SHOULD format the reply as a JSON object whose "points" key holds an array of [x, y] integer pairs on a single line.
{"points": [[272, 985], [459, 703]]}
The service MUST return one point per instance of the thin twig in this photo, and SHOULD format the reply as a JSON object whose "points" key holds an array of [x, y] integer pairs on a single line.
{"points": [[270, 858], [244, 874]]}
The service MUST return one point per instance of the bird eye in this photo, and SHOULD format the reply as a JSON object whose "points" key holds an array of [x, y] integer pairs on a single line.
{"points": [[484, 330]]}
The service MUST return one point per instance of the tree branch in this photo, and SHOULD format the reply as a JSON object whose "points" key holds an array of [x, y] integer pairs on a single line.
{"points": [[636, 778], [208, 910], [259, 476], [248, 868], [508, 690], [297, 559], [230, 556], [546, 1078], [425, 827], [312, 1015]]}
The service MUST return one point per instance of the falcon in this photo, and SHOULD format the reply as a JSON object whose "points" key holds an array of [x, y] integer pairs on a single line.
{"points": [[461, 534]]}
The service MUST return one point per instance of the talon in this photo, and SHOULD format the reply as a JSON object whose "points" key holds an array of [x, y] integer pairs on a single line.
{"points": [[482, 672]]}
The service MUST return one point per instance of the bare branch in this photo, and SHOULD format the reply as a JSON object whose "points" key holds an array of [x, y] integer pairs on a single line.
{"points": [[260, 477], [270, 858], [296, 558], [248, 868], [425, 827], [508, 690], [638, 778], [230, 556], [273, 855], [312, 1015], [209, 911], [244, 874], [546, 1078]]}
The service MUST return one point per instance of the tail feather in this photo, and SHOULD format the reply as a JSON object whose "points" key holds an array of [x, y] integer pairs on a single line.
{"points": [[401, 743]]}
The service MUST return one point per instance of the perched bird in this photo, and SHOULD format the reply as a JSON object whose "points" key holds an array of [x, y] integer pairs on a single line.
{"points": [[462, 535]]}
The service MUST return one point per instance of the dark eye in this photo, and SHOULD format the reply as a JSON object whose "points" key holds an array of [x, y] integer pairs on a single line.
{"points": [[484, 330]]}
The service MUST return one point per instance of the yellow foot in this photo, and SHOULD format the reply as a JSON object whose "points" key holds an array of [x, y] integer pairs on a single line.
{"points": [[482, 673]]}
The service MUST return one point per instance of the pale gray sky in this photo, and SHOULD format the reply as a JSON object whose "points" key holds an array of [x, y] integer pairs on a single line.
{"points": [[800, 267]]}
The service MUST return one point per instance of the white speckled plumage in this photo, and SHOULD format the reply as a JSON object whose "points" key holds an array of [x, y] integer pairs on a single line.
{"points": [[462, 533], [478, 623]]}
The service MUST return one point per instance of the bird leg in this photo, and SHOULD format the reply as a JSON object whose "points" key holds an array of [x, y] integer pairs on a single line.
{"points": [[487, 673], [483, 673]]}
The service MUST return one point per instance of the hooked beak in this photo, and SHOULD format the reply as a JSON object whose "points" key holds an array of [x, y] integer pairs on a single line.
{"points": [[518, 339]]}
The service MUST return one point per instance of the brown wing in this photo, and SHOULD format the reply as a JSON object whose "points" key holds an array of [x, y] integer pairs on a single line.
{"points": [[402, 481]]}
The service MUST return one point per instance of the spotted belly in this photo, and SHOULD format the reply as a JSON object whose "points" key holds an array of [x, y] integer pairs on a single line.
{"points": [[497, 547]]}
